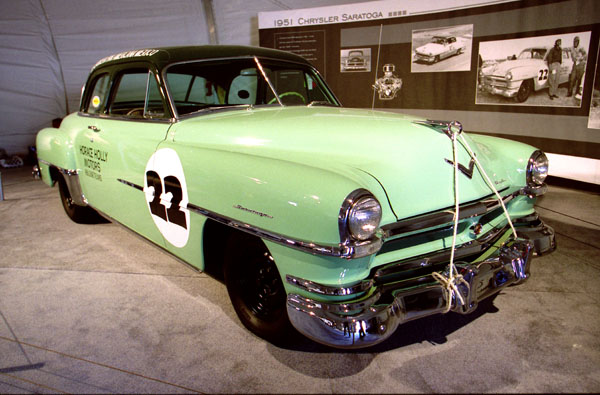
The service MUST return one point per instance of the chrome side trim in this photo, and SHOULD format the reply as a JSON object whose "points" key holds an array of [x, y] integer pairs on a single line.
{"points": [[345, 251], [71, 178], [350, 250], [131, 184], [124, 118], [317, 288]]}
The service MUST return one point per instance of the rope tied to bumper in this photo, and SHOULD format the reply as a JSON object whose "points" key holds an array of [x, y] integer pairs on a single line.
{"points": [[449, 283], [453, 279]]}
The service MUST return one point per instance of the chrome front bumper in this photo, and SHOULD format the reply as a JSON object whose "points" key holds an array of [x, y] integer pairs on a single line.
{"points": [[502, 91], [375, 316]]}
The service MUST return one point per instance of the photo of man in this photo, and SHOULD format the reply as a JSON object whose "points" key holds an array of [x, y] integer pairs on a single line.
{"points": [[579, 56], [554, 60]]}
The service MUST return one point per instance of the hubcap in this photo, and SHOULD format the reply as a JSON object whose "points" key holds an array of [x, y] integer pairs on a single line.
{"points": [[262, 288]]}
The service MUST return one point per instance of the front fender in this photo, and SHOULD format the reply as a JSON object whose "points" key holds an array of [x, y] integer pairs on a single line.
{"points": [[292, 199], [512, 156]]}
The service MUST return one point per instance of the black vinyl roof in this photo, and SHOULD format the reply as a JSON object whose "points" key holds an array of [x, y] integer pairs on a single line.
{"points": [[164, 56]]}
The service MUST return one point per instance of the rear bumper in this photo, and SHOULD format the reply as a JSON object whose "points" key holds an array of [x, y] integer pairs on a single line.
{"points": [[375, 316]]}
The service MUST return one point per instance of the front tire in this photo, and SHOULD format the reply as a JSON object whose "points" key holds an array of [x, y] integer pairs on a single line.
{"points": [[255, 288], [524, 91]]}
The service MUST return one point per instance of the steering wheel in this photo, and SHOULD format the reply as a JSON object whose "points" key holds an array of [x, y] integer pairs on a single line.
{"points": [[286, 94]]}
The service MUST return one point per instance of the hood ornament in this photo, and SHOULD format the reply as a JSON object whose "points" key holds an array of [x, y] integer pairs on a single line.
{"points": [[447, 127]]}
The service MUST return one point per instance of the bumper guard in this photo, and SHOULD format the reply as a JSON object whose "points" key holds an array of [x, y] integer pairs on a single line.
{"points": [[373, 318]]}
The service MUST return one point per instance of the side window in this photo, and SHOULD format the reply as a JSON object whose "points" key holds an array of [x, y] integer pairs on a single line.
{"points": [[137, 96], [99, 95]]}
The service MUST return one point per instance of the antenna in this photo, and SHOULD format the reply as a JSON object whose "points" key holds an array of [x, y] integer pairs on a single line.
{"points": [[377, 66]]}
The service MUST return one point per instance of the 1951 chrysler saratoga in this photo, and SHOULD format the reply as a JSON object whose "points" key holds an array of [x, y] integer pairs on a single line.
{"points": [[341, 223]]}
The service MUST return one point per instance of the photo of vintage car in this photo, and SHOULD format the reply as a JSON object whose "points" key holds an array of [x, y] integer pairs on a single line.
{"points": [[517, 78], [358, 59], [341, 223], [516, 71], [440, 47]]}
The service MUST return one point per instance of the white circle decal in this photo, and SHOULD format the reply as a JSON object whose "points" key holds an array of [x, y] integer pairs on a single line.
{"points": [[166, 195]]}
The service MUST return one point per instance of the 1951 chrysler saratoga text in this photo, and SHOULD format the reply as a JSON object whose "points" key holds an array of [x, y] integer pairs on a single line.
{"points": [[341, 223]]}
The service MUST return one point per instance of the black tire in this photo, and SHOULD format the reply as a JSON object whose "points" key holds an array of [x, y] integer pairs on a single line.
{"points": [[255, 288], [524, 91], [77, 213], [437, 59]]}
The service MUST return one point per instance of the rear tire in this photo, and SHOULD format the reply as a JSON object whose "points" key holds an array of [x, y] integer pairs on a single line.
{"points": [[255, 288], [77, 213]]}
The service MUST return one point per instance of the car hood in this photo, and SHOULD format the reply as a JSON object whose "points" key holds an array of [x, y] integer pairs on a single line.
{"points": [[503, 67], [407, 159], [431, 48]]}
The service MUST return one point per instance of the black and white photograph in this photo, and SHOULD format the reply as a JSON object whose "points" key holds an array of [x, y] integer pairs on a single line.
{"points": [[442, 49], [355, 59], [534, 71], [594, 118]]}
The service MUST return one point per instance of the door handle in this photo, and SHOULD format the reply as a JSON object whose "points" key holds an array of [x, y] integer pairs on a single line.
{"points": [[94, 128]]}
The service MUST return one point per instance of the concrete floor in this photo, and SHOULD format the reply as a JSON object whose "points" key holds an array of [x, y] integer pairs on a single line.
{"points": [[94, 309]]}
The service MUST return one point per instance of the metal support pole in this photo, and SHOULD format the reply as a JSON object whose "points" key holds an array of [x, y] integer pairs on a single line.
{"points": [[1, 189], [209, 15]]}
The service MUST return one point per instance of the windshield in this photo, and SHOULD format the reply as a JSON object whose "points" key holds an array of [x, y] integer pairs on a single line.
{"points": [[230, 83], [533, 53]]}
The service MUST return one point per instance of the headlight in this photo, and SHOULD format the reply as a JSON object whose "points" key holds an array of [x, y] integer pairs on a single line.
{"points": [[360, 215], [509, 76], [537, 169]]}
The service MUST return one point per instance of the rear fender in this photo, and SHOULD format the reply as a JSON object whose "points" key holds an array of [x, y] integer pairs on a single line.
{"points": [[55, 148]]}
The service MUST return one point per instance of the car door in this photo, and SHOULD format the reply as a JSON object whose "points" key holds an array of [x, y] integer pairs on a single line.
{"points": [[116, 147]]}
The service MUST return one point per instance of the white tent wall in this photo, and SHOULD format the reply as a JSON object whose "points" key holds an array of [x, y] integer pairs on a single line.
{"points": [[237, 20], [31, 88], [47, 47]]}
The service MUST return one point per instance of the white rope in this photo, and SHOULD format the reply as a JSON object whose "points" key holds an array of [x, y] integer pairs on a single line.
{"points": [[449, 283], [489, 182]]}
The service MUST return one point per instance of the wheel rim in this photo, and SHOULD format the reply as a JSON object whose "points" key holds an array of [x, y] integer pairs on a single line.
{"points": [[524, 91], [261, 287]]}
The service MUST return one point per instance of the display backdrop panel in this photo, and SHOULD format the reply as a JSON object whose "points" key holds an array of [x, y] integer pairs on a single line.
{"points": [[482, 63]]}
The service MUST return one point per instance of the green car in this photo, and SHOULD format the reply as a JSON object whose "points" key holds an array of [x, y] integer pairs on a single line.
{"points": [[341, 223]]}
